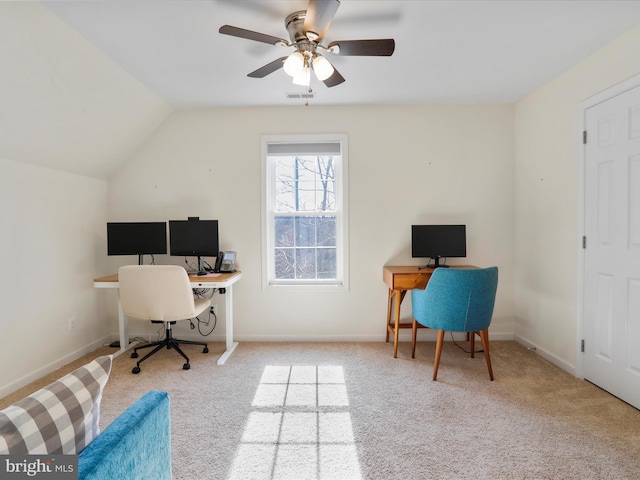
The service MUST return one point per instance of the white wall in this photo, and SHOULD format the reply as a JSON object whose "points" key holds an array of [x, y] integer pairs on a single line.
{"points": [[51, 246], [407, 165], [547, 230]]}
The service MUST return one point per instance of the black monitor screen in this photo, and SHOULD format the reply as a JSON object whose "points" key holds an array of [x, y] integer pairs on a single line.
{"points": [[436, 241], [136, 238], [193, 238]]}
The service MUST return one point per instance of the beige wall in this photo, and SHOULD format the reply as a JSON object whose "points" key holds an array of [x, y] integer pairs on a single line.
{"points": [[52, 229], [422, 164], [548, 207]]}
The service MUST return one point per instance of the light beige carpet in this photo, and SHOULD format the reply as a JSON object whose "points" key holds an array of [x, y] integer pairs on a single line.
{"points": [[350, 410]]}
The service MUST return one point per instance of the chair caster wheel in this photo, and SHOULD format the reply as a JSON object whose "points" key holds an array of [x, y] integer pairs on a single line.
{"points": [[186, 366], [205, 350], [134, 355], [135, 370]]}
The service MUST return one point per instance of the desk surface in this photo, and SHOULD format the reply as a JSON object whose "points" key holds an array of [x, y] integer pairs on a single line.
{"points": [[221, 281]]}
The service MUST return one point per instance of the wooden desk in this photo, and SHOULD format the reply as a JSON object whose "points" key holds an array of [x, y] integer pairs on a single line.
{"points": [[400, 279], [223, 281]]}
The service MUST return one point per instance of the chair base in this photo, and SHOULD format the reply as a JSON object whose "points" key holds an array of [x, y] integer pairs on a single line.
{"points": [[168, 342]]}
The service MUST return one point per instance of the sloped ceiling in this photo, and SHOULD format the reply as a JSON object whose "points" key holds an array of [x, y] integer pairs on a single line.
{"points": [[63, 103], [451, 51], [84, 83]]}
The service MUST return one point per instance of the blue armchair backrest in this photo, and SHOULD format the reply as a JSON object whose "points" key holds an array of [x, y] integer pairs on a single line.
{"points": [[456, 299]]}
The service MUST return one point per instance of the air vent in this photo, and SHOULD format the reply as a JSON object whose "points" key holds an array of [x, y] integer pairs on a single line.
{"points": [[299, 95]]}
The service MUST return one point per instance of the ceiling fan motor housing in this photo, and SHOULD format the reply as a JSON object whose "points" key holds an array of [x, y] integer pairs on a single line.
{"points": [[294, 24]]}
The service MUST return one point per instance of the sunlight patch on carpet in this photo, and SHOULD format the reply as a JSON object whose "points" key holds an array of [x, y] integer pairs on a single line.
{"points": [[300, 427]]}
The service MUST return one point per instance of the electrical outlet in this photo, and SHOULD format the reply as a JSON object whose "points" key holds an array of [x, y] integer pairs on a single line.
{"points": [[72, 323]]}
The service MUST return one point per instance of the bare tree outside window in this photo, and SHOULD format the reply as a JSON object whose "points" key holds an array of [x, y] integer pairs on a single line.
{"points": [[305, 217]]}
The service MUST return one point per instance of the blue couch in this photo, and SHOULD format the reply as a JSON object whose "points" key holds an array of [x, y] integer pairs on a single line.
{"points": [[136, 445]]}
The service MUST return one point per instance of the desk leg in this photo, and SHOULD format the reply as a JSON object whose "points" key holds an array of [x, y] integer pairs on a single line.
{"points": [[393, 325], [230, 344], [123, 328], [389, 302], [396, 329]]}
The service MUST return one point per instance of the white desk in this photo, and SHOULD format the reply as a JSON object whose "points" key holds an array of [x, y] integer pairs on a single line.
{"points": [[224, 280]]}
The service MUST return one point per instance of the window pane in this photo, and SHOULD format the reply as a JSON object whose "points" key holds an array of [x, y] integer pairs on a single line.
{"points": [[327, 263], [306, 168], [284, 232], [326, 184], [306, 263], [306, 195], [326, 231], [305, 231], [285, 263], [285, 197]]}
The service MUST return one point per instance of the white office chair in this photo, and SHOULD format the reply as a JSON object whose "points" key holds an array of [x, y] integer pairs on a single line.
{"points": [[161, 294]]}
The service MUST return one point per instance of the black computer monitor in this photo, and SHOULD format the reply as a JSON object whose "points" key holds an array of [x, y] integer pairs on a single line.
{"points": [[194, 237], [136, 238], [438, 241]]}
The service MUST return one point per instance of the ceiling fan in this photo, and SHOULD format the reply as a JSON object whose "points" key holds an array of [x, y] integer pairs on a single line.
{"points": [[306, 30]]}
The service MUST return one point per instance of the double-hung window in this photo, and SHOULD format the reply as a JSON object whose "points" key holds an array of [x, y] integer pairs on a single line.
{"points": [[305, 240]]}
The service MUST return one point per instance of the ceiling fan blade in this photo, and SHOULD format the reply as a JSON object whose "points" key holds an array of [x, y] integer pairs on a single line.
{"points": [[382, 47], [251, 35], [268, 68], [319, 15], [334, 79]]}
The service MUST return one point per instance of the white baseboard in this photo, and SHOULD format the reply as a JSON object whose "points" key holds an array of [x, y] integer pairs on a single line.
{"points": [[551, 358], [404, 336], [52, 366]]}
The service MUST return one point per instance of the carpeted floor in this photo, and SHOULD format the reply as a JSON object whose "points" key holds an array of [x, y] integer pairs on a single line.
{"points": [[351, 411]]}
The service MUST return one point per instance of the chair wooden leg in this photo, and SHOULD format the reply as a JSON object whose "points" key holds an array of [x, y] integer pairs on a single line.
{"points": [[414, 333], [436, 362], [472, 343], [484, 336]]}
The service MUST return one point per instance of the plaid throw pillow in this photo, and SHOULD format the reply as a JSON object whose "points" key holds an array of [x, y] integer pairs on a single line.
{"points": [[61, 418]]}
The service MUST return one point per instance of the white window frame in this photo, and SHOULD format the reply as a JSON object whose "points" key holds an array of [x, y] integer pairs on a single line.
{"points": [[342, 221]]}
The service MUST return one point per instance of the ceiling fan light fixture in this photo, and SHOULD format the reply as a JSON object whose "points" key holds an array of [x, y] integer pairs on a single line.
{"points": [[303, 78], [294, 64], [322, 67]]}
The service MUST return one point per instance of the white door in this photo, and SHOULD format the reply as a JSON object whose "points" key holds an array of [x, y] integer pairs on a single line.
{"points": [[612, 256]]}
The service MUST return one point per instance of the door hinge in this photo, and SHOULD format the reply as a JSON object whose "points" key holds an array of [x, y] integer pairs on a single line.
{"points": [[582, 345], [584, 241], [584, 137]]}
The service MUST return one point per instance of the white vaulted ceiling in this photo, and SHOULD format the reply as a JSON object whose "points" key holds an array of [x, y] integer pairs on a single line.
{"points": [[446, 51]]}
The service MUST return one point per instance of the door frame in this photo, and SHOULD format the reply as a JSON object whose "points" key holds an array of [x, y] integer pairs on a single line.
{"points": [[600, 97]]}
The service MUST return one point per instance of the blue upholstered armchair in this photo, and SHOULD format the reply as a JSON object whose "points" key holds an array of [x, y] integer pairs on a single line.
{"points": [[456, 300]]}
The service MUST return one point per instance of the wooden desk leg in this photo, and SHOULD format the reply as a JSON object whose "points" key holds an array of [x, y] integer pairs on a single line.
{"points": [[396, 330], [389, 302]]}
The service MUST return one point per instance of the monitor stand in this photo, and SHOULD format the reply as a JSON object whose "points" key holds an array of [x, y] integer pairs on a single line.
{"points": [[201, 269], [436, 264]]}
